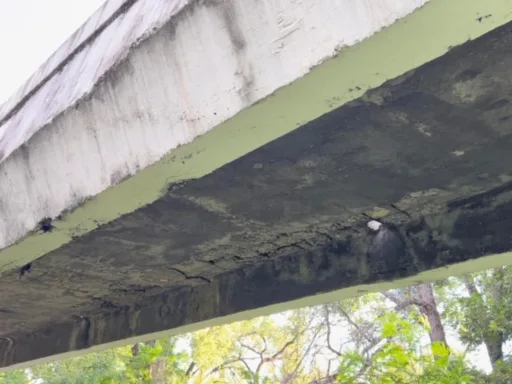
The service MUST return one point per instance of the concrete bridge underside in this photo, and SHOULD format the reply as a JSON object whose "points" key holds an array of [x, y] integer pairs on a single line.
{"points": [[429, 151]]}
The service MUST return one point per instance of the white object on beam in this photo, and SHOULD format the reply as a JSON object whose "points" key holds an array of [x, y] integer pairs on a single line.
{"points": [[374, 225]]}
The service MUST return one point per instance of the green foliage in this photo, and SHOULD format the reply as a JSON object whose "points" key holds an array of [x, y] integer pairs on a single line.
{"points": [[94, 368], [502, 373], [120, 365], [486, 307], [397, 362], [14, 377]]}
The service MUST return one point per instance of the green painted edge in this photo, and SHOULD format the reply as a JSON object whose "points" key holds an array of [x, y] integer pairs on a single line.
{"points": [[427, 33]]}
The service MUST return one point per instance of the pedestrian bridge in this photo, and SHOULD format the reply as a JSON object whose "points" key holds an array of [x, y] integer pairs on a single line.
{"points": [[183, 163]]}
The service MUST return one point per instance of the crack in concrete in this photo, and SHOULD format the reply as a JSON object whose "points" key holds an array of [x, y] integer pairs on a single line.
{"points": [[293, 245], [404, 212], [329, 237], [212, 262], [187, 277]]}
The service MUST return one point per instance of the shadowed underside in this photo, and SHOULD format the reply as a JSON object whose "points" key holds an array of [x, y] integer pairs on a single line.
{"points": [[429, 152]]}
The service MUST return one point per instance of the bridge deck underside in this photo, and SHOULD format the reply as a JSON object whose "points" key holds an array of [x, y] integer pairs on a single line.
{"points": [[429, 152]]}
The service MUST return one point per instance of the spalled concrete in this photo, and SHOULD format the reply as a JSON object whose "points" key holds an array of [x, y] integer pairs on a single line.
{"points": [[428, 152]]}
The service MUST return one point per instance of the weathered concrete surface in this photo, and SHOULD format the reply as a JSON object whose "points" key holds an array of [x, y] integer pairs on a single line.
{"points": [[429, 151], [136, 101], [144, 110]]}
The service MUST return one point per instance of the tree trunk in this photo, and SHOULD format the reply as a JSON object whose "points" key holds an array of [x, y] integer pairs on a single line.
{"points": [[157, 371], [429, 308], [135, 349], [493, 339], [494, 345]]}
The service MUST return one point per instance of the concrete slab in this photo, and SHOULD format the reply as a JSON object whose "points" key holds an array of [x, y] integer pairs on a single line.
{"points": [[177, 244]]}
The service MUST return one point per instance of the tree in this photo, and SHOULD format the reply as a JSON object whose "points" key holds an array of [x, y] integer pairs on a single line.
{"points": [[258, 351], [384, 343], [479, 307], [155, 362], [422, 298], [395, 360], [95, 368]]}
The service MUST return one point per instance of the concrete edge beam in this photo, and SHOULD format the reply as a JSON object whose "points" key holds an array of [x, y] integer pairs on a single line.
{"points": [[287, 282]]}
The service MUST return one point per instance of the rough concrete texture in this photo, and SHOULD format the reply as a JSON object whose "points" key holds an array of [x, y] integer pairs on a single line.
{"points": [[97, 144], [428, 152], [141, 85]]}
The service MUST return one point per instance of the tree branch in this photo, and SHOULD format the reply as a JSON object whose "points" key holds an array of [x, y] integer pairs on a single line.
{"points": [[400, 304], [306, 352], [259, 353], [286, 345], [368, 363], [328, 337], [227, 364], [190, 368]]}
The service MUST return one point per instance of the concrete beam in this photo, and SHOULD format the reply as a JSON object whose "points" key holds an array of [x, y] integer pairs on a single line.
{"points": [[177, 244], [68, 147]]}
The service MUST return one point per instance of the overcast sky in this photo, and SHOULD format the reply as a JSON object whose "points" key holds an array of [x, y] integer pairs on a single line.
{"points": [[30, 31]]}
